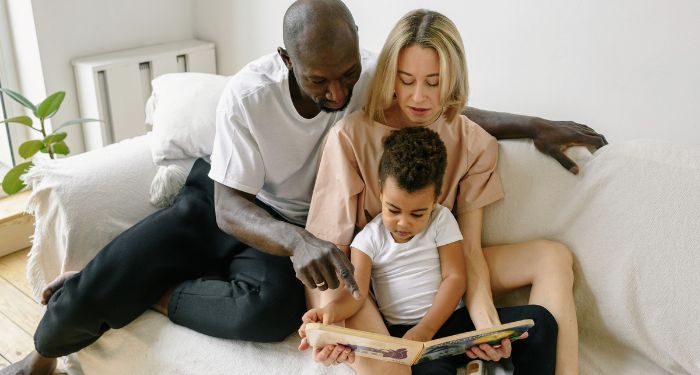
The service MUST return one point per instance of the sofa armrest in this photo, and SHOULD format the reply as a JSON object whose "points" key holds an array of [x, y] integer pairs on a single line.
{"points": [[82, 202]]}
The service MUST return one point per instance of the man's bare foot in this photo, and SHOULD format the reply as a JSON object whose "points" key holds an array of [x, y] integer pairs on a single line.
{"points": [[32, 364], [55, 285], [162, 305]]}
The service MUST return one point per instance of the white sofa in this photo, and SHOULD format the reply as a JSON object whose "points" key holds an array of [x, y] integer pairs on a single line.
{"points": [[632, 219]]}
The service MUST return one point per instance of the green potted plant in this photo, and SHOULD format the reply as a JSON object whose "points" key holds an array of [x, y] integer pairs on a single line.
{"points": [[52, 144]]}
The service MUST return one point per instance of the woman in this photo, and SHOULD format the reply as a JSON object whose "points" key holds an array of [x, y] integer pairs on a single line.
{"points": [[421, 80]]}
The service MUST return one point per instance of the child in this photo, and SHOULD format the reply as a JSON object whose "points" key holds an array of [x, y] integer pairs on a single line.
{"points": [[412, 250], [421, 81]]}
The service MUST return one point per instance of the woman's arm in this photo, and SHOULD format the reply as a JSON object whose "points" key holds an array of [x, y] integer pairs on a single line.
{"points": [[478, 298], [448, 295], [550, 137]]}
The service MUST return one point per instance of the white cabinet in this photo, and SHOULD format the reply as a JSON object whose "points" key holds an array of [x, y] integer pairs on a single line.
{"points": [[114, 86]]}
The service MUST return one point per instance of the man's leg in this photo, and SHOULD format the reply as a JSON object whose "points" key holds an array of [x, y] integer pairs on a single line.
{"points": [[261, 301], [135, 269], [548, 267]]}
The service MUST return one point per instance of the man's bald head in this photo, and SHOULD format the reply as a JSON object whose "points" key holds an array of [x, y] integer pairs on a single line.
{"points": [[317, 26]]}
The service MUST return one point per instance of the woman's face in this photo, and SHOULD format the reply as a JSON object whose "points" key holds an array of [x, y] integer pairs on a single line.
{"points": [[418, 85]]}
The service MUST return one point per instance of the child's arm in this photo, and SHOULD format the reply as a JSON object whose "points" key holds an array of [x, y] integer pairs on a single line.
{"points": [[343, 305], [448, 295]]}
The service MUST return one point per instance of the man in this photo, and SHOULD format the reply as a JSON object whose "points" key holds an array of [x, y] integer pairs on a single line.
{"points": [[232, 229]]}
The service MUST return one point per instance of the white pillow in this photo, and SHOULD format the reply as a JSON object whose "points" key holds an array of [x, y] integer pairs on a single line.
{"points": [[183, 113], [182, 110]]}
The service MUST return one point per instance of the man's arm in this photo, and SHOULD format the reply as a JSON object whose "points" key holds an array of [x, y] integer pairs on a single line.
{"points": [[550, 137], [315, 261]]}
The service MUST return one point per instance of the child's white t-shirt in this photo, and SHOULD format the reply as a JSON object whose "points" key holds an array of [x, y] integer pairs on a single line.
{"points": [[406, 276]]}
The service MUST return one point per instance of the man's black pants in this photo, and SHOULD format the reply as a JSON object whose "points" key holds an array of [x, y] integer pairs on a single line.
{"points": [[536, 355], [257, 299]]}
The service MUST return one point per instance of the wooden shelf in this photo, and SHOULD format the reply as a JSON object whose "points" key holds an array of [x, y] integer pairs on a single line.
{"points": [[16, 226], [12, 207]]}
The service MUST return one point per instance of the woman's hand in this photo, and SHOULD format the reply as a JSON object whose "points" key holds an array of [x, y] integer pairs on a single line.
{"points": [[333, 355], [329, 354], [495, 353]]}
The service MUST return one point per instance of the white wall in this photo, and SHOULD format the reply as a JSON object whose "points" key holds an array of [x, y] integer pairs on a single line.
{"points": [[73, 28], [628, 68], [242, 30]]}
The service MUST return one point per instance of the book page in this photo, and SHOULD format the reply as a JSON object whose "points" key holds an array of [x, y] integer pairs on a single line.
{"points": [[457, 344], [365, 344]]}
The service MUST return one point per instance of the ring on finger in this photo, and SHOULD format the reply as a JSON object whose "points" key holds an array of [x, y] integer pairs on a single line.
{"points": [[322, 283]]}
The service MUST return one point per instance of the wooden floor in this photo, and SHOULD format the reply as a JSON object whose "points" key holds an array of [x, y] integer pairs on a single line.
{"points": [[19, 313]]}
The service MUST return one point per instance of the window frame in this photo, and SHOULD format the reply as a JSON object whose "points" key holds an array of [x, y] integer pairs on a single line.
{"points": [[16, 134]]}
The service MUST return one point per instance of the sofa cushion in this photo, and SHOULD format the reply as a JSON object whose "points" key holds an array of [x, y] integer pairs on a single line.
{"points": [[632, 220]]}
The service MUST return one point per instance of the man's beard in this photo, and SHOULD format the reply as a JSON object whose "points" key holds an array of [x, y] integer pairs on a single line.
{"points": [[323, 104]]}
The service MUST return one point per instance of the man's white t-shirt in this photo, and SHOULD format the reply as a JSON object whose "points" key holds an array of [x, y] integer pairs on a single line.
{"points": [[263, 146], [406, 276]]}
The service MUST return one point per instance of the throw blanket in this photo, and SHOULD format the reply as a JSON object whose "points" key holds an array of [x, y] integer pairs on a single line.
{"points": [[631, 218]]}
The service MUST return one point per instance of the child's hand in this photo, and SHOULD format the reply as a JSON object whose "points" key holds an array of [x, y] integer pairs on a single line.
{"points": [[419, 333]]}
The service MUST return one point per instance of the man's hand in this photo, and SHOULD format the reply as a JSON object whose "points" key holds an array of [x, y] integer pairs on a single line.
{"points": [[318, 263], [554, 137]]}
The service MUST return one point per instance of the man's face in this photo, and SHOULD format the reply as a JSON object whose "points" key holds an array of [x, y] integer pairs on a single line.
{"points": [[328, 79]]}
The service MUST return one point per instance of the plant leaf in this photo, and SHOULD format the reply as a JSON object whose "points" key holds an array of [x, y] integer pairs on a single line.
{"points": [[12, 182], [50, 105], [24, 120], [29, 148], [60, 148], [78, 121], [19, 99], [55, 137]]}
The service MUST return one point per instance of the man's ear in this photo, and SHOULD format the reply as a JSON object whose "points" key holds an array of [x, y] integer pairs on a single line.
{"points": [[285, 57]]}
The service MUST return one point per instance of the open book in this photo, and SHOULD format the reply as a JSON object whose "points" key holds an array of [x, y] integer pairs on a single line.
{"points": [[408, 352]]}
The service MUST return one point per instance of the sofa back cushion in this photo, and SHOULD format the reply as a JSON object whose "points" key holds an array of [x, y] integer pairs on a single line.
{"points": [[632, 220]]}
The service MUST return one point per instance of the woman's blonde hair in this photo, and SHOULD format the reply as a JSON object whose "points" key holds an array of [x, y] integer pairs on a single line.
{"points": [[428, 29]]}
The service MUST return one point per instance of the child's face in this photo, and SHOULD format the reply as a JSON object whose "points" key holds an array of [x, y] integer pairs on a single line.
{"points": [[418, 85], [405, 214]]}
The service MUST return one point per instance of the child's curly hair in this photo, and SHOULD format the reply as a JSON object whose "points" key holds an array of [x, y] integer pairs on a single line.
{"points": [[416, 157]]}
